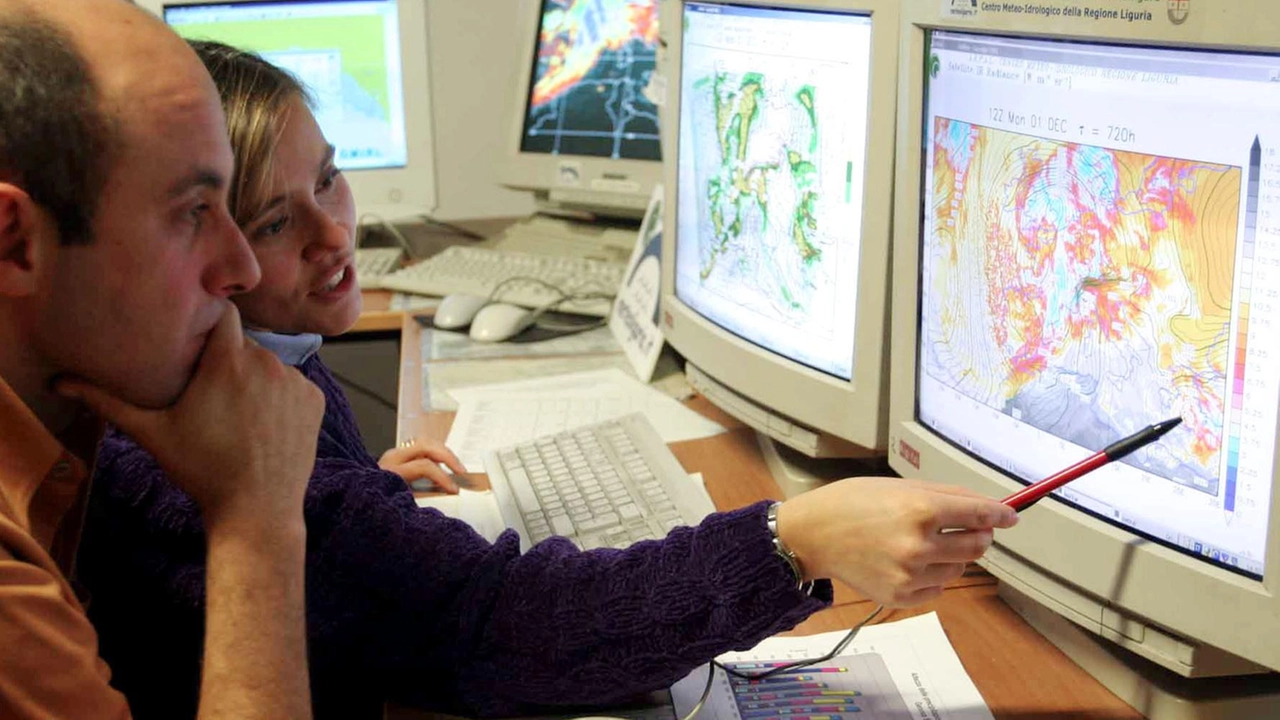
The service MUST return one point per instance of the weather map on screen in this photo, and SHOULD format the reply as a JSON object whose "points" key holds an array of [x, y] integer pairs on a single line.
{"points": [[771, 158], [1107, 291], [761, 176], [594, 60], [347, 54], [1095, 256]]}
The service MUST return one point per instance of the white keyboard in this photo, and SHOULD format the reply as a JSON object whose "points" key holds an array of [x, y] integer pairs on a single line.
{"points": [[478, 271], [546, 235], [604, 485], [374, 264]]}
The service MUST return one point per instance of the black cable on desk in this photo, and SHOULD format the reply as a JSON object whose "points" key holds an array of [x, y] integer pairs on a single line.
{"points": [[364, 390]]}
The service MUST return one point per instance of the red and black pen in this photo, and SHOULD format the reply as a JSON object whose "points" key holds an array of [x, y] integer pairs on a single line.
{"points": [[1028, 495]]}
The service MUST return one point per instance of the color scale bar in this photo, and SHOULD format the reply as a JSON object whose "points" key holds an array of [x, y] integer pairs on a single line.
{"points": [[754, 694], [772, 665], [1242, 325], [835, 716]]}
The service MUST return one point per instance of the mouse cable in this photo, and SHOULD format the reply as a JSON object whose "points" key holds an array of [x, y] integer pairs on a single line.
{"points": [[706, 692], [564, 297], [391, 229], [582, 293], [573, 327], [469, 234], [399, 236], [495, 294], [363, 390], [839, 648]]}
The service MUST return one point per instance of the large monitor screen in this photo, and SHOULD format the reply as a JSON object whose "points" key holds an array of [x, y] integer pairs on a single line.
{"points": [[772, 148], [593, 62], [1100, 250], [346, 53]]}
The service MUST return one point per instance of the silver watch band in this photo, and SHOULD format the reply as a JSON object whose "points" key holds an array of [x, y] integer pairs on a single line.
{"points": [[784, 552]]}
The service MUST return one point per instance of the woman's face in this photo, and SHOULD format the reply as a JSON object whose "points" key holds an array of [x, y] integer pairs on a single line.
{"points": [[304, 239]]}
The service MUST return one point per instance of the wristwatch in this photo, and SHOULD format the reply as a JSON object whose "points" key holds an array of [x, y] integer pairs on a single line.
{"points": [[784, 552]]}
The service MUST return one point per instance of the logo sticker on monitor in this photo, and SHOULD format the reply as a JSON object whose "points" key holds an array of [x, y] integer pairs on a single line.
{"points": [[960, 8], [569, 174], [1179, 10], [909, 454]]}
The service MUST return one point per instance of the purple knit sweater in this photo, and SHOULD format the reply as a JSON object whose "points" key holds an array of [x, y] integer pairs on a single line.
{"points": [[408, 605]]}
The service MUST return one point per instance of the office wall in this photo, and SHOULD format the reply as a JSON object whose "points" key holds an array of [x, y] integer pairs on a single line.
{"points": [[475, 47]]}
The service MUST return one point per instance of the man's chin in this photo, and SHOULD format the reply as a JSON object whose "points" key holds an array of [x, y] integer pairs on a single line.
{"points": [[158, 396], [158, 391], [337, 323]]}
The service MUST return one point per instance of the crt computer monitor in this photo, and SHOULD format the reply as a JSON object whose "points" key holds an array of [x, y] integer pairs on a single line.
{"points": [[364, 63], [776, 250], [1086, 241], [585, 129]]}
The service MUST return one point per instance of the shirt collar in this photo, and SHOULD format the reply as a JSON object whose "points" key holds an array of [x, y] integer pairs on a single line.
{"points": [[41, 476], [27, 448], [291, 349]]}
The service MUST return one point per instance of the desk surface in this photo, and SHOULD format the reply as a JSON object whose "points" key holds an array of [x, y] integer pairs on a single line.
{"points": [[1019, 673]]}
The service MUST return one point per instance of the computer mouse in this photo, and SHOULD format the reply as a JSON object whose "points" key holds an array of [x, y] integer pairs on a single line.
{"points": [[424, 485], [500, 321], [458, 310]]}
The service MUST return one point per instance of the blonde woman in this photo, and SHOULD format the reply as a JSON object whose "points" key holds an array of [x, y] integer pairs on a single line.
{"points": [[408, 605]]}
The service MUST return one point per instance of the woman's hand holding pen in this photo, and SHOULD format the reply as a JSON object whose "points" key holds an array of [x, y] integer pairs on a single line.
{"points": [[885, 536]]}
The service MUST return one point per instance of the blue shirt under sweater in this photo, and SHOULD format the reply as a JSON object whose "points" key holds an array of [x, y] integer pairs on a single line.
{"points": [[408, 605]]}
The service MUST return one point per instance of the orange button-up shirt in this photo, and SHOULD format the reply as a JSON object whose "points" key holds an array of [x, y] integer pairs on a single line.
{"points": [[49, 663]]}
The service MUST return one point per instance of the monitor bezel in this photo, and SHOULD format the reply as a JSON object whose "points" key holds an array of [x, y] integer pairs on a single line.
{"points": [[396, 192], [853, 410], [1093, 563]]}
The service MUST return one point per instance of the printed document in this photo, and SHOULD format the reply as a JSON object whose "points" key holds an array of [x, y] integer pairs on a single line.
{"points": [[904, 670]]}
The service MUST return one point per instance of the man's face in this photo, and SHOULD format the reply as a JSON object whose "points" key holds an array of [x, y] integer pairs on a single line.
{"points": [[132, 309]]}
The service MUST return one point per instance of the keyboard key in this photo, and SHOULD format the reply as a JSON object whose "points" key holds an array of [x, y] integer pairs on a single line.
{"points": [[524, 492], [561, 525]]}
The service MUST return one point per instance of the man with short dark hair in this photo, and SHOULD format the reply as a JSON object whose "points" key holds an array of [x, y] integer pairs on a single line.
{"points": [[117, 256]]}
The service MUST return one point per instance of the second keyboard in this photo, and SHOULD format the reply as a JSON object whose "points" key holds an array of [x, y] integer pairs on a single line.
{"points": [[481, 271]]}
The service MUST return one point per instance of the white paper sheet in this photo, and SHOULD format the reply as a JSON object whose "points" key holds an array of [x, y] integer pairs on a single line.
{"points": [[497, 416], [440, 379], [477, 509], [906, 670], [405, 302], [439, 344]]}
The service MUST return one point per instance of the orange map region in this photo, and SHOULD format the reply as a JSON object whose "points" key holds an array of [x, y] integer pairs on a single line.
{"points": [[576, 34], [1095, 263]]}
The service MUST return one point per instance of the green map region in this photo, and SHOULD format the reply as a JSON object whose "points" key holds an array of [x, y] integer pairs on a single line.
{"points": [[757, 160], [357, 39]]}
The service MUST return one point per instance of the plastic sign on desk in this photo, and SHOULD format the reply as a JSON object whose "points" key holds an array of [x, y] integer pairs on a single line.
{"points": [[634, 320]]}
